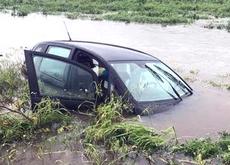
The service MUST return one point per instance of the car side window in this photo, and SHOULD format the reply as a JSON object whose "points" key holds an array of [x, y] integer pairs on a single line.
{"points": [[59, 51], [77, 83], [50, 67]]}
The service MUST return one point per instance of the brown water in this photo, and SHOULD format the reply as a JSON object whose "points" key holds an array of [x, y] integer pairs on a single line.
{"points": [[202, 115], [198, 54]]}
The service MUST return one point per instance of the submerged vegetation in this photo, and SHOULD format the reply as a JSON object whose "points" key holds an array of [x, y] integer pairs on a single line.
{"points": [[219, 25], [144, 11]]}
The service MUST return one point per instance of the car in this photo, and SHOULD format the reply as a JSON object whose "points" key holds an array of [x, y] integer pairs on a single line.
{"points": [[74, 71]]}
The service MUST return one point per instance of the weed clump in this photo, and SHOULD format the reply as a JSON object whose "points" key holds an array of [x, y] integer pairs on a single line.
{"points": [[24, 127], [13, 128], [118, 135], [226, 158], [12, 84], [49, 112], [202, 148]]}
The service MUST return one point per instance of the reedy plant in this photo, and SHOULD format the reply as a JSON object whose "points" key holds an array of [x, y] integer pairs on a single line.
{"points": [[12, 83], [24, 127], [119, 135]]}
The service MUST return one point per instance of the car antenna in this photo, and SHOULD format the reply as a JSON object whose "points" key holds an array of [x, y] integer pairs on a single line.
{"points": [[67, 31]]}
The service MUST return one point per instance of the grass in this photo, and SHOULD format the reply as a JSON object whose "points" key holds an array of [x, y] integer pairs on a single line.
{"points": [[12, 84], [17, 127], [203, 149], [119, 135], [200, 148], [144, 11]]}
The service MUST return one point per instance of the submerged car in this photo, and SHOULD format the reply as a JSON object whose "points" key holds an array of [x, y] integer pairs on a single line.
{"points": [[72, 71]]}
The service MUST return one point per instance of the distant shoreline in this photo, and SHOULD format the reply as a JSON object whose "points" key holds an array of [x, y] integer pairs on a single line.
{"points": [[141, 11]]}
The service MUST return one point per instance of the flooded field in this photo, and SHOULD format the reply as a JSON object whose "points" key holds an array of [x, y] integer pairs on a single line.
{"points": [[200, 55]]}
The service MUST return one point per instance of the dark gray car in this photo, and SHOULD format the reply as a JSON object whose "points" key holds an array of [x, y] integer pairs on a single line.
{"points": [[71, 71]]}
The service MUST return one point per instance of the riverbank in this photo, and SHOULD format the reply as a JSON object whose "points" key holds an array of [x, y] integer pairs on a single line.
{"points": [[142, 11]]}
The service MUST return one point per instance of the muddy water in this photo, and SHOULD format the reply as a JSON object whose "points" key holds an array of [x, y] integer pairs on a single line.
{"points": [[203, 115], [198, 54]]}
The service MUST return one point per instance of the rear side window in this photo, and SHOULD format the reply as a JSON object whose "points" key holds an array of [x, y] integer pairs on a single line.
{"points": [[59, 51], [54, 69]]}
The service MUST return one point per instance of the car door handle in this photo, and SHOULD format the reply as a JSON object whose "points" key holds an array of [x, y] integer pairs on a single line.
{"points": [[33, 93]]}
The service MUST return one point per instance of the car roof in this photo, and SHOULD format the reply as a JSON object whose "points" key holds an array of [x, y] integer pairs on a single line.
{"points": [[109, 52]]}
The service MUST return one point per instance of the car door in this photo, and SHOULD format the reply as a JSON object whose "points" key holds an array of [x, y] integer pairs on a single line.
{"points": [[59, 78]]}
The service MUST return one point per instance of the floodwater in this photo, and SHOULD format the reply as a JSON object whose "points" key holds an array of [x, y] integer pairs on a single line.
{"points": [[200, 55]]}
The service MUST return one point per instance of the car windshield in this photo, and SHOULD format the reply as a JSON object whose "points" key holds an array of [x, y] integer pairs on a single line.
{"points": [[151, 80]]}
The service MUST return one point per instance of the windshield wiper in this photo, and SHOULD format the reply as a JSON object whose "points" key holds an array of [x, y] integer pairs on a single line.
{"points": [[180, 84], [162, 77]]}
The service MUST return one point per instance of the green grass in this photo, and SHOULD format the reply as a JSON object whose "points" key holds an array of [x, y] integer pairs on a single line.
{"points": [[144, 11], [16, 127], [12, 84], [202, 149], [118, 135]]}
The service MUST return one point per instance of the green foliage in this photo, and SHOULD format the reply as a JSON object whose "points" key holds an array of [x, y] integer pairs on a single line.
{"points": [[144, 11], [224, 144], [93, 153], [200, 149], [226, 158], [224, 141], [12, 84], [117, 134], [206, 148], [18, 127], [14, 128], [49, 112]]}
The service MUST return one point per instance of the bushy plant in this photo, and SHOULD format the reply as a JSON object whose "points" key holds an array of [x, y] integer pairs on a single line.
{"points": [[200, 148], [19, 126], [120, 135], [49, 112], [12, 84]]}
